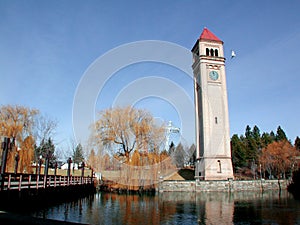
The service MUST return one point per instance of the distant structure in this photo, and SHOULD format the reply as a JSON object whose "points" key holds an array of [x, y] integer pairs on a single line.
{"points": [[212, 119], [170, 130]]}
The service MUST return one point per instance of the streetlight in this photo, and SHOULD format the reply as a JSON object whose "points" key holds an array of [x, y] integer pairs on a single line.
{"points": [[260, 171], [82, 168], [69, 169], [69, 161], [82, 171], [17, 158], [55, 168], [47, 163], [7, 145], [40, 164]]}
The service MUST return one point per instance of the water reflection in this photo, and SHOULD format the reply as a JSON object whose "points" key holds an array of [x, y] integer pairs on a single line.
{"points": [[180, 208]]}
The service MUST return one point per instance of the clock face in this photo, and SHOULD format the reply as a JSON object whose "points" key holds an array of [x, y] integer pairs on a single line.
{"points": [[214, 75]]}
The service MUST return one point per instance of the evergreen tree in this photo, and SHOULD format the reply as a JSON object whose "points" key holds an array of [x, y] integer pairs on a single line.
{"points": [[251, 145], [256, 136], [280, 135], [192, 155], [266, 139], [238, 153], [272, 135], [248, 133], [247, 150], [297, 143], [179, 156], [171, 148], [78, 154], [46, 149]]}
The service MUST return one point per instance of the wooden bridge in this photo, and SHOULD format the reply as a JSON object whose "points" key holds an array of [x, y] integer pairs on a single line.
{"points": [[12, 181], [24, 190], [27, 191]]}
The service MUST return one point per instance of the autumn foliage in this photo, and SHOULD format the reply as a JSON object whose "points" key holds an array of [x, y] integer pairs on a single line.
{"points": [[278, 158], [17, 122], [128, 143], [267, 155], [142, 171], [123, 130]]}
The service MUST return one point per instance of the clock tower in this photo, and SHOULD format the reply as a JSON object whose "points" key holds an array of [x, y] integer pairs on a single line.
{"points": [[211, 104]]}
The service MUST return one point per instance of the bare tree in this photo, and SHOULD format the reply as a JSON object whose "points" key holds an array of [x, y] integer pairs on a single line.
{"points": [[123, 130], [44, 128]]}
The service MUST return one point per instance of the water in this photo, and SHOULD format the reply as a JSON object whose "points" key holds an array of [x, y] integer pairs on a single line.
{"points": [[180, 208]]}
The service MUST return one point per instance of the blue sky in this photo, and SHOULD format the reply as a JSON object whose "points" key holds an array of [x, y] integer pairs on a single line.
{"points": [[47, 46]]}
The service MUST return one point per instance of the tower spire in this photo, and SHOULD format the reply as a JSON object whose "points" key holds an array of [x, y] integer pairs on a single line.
{"points": [[209, 36]]}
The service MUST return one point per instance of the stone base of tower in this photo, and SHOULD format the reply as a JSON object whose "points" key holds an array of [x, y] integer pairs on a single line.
{"points": [[214, 168]]}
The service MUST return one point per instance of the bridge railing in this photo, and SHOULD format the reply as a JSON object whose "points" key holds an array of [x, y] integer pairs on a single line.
{"points": [[12, 181]]}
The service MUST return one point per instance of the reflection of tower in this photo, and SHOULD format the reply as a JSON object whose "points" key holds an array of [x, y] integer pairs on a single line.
{"points": [[170, 131], [212, 119], [215, 208]]}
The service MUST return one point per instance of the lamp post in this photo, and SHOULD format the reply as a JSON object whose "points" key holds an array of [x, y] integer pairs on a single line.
{"points": [[82, 168], [40, 164], [260, 171], [17, 158], [69, 169], [47, 163], [6, 146], [55, 168], [82, 171]]}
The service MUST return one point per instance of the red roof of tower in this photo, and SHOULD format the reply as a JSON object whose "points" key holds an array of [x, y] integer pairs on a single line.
{"points": [[208, 35]]}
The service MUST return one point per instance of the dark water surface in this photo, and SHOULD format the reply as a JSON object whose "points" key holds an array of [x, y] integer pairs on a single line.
{"points": [[180, 208]]}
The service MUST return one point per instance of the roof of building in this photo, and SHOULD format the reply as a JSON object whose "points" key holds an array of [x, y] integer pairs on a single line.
{"points": [[208, 35]]}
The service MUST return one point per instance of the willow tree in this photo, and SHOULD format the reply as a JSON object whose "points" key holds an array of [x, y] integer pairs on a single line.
{"points": [[17, 122], [123, 130]]}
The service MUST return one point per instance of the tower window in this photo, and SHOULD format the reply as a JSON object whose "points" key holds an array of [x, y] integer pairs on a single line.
{"points": [[211, 52], [216, 120], [216, 52], [207, 51], [219, 167]]}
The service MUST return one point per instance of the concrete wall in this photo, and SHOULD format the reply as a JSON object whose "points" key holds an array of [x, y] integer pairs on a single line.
{"points": [[230, 185]]}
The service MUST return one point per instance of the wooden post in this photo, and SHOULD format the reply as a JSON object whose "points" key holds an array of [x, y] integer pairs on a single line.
{"points": [[45, 181], [29, 181], [20, 182], [37, 181], [17, 158], [5, 147], [9, 181], [69, 169], [82, 172]]}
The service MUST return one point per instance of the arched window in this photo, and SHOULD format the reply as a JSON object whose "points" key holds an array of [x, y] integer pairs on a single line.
{"points": [[207, 51], [211, 52], [216, 52]]}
